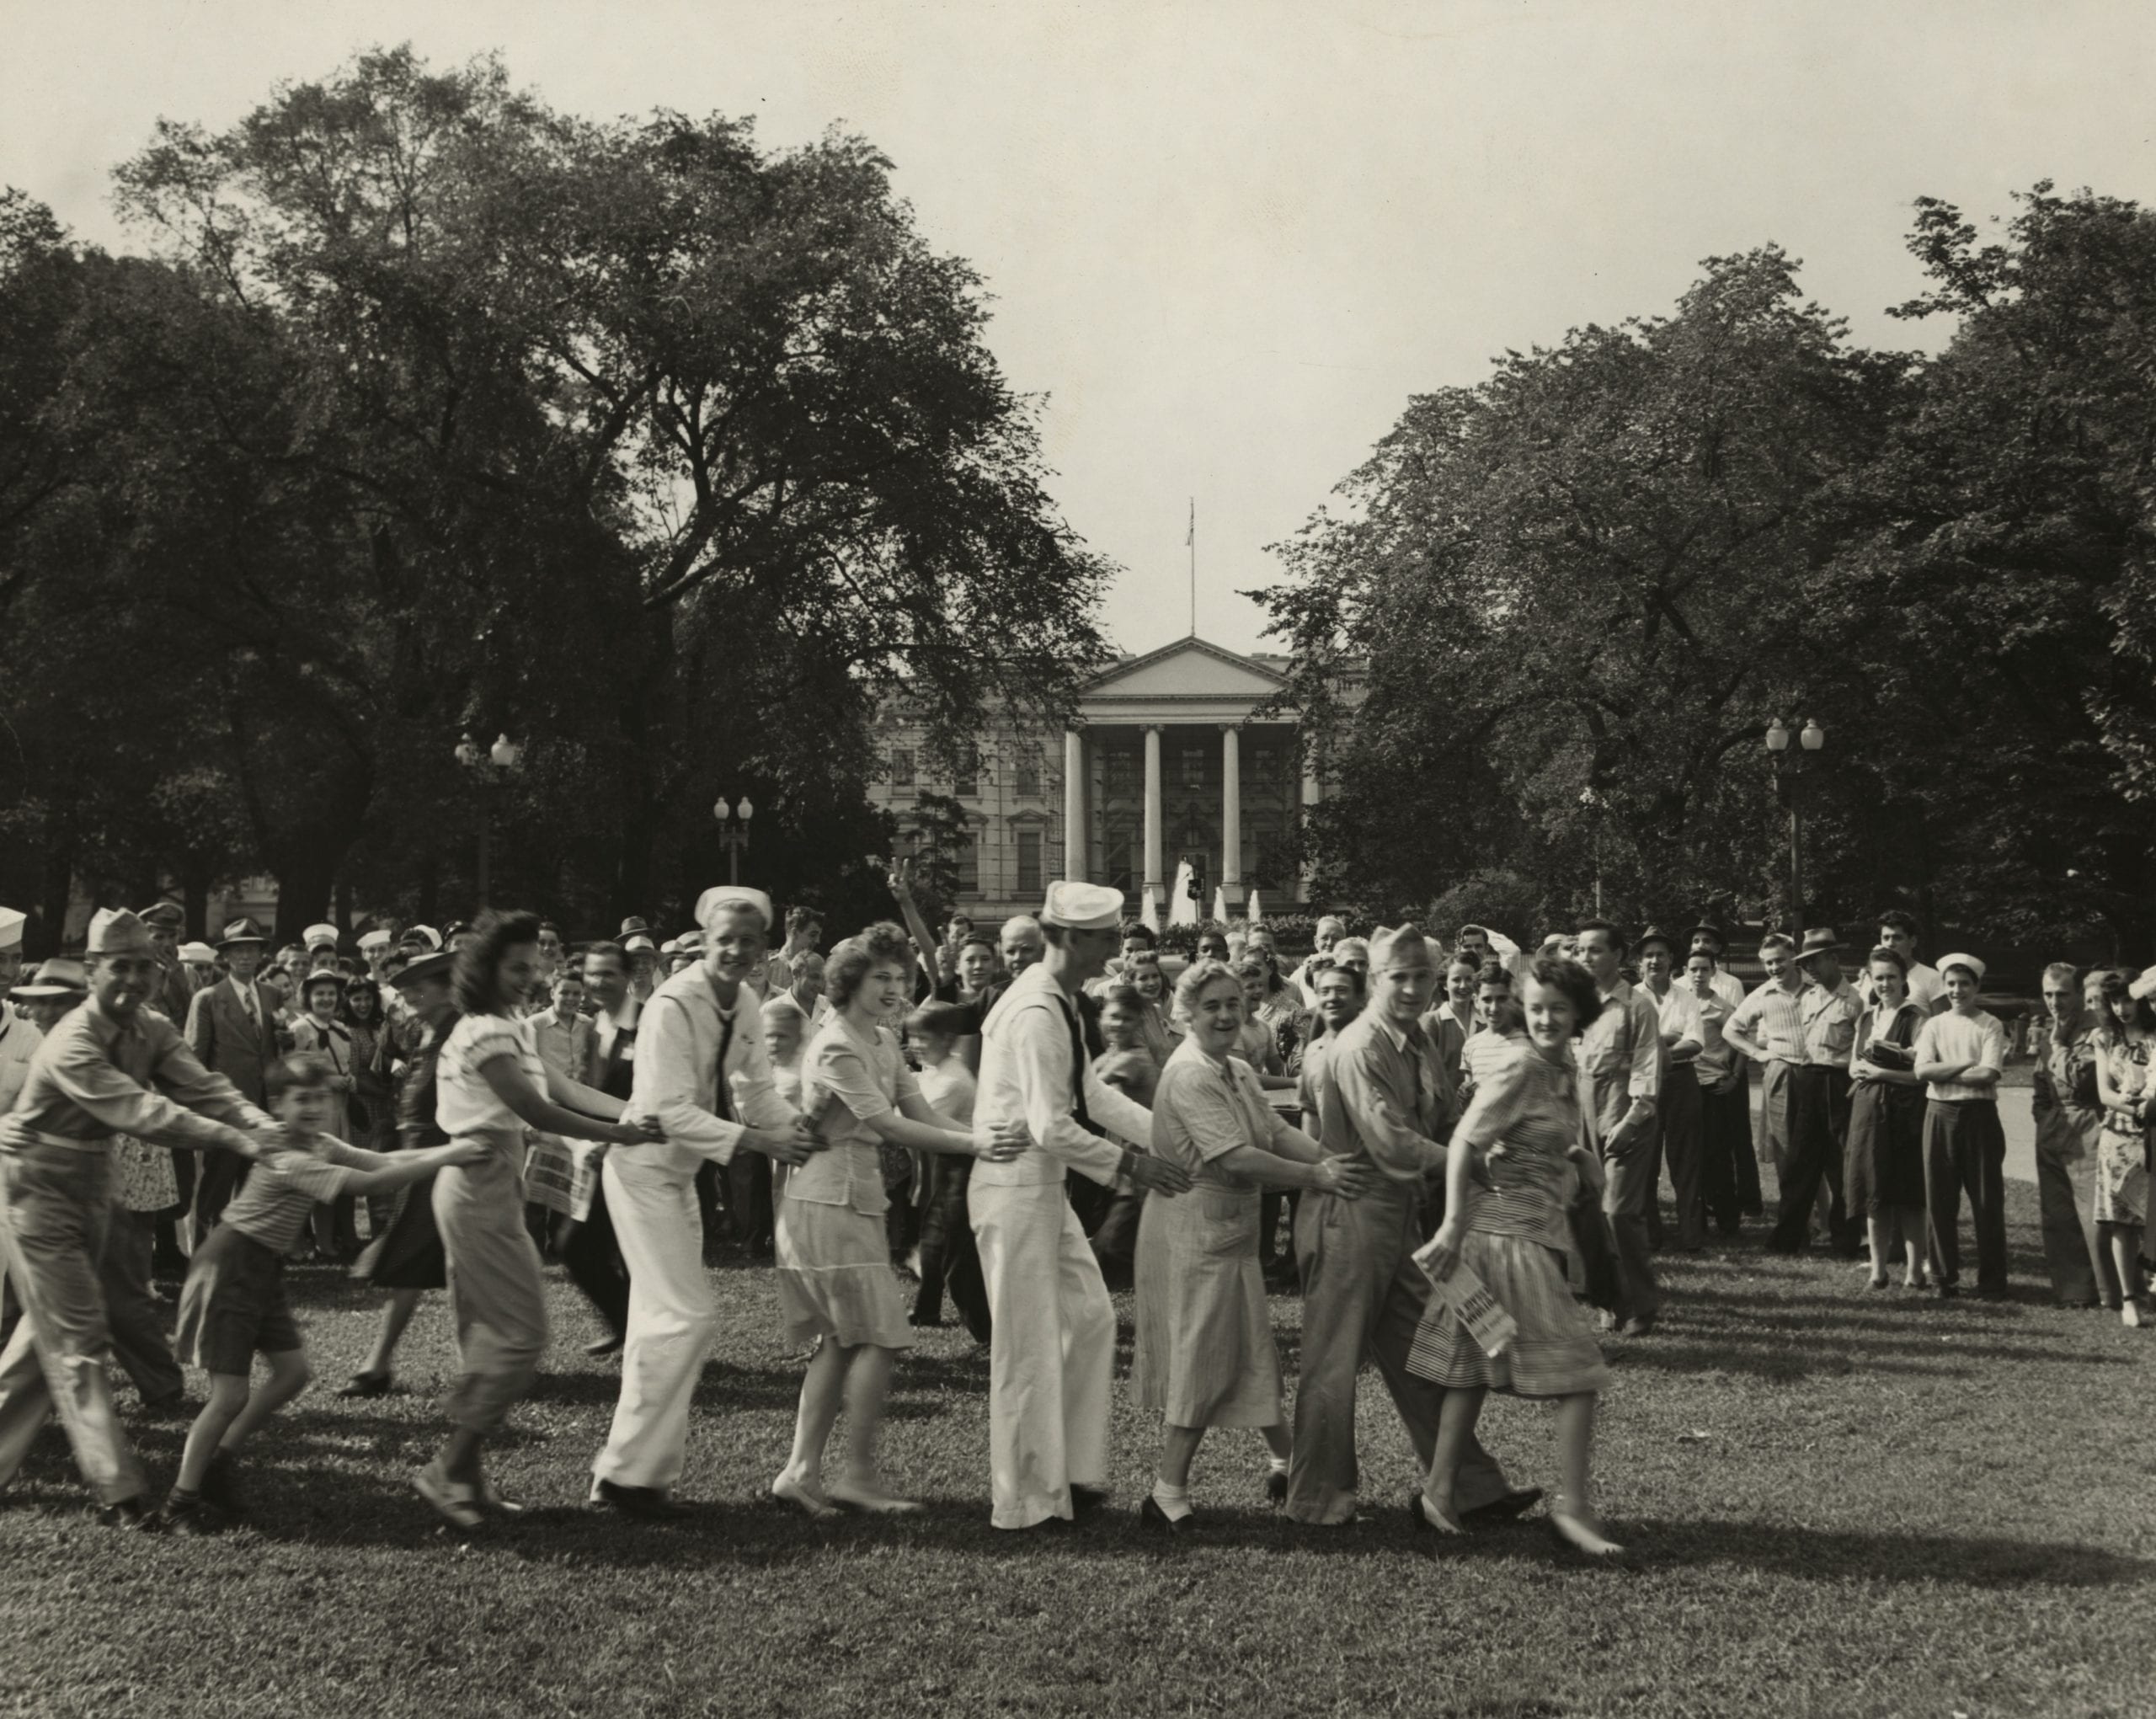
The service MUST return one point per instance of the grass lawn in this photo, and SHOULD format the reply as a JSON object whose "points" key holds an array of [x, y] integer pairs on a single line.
{"points": [[1845, 1502]]}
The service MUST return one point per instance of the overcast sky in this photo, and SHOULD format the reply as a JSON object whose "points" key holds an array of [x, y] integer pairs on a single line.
{"points": [[1228, 239]]}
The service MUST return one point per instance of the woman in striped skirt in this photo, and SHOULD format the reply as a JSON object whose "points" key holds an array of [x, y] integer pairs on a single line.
{"points": [[1505, 1201], [1205, 1355]]}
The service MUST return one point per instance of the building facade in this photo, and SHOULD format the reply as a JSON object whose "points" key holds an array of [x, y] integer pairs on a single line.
{"points": [[1169, 762]]}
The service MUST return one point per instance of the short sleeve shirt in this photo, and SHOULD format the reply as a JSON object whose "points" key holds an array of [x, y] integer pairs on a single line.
{"points": [[464, 1103], [283, 1186], [846, 1079]]}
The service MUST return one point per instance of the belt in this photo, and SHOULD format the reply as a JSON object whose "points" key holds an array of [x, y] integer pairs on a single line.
{"points": [[15, 1136]]}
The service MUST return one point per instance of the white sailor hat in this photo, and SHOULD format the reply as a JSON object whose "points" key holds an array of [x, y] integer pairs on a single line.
{"points": [[672, 946], [639, 944], [1082, 907], [426, 934], [1949, 962], [315, 935], [371, 940], [11, 928], [720, 897], [198, 954]]}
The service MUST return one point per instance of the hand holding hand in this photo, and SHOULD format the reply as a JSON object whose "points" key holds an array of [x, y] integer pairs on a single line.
{"points": [[792, 1145]]}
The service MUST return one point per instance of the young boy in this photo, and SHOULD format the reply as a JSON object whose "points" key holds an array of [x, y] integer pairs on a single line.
{"points": [[1960, 1055], [948, 1259], [233, 1304]]}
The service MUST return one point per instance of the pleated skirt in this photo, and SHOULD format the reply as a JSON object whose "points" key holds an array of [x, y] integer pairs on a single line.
{"points": [[835, 1277], [1553, 1354], [1205, 1354]]}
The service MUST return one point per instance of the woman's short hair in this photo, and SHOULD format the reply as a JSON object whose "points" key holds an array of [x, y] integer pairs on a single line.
{"points": [[849, 963], [1191, 982], [302, 1073], [477, 980], [1561, 973], [2118, 990], [1891, 956], [336, 981], [1468, 962]]}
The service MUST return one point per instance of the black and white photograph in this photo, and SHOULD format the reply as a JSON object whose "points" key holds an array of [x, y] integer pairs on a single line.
{"points": [[1154, 856]]}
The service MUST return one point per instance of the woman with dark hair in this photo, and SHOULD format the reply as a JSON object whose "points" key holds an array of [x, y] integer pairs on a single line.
{"points": [[373, 1102], [1885, 1174], [493, 1085], [1505, 1221], [2125, 1045], [1205, 1353], [836, 1288]]}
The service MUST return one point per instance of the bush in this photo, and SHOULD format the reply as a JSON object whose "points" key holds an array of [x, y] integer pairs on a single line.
{"points": [[1506, 901]]}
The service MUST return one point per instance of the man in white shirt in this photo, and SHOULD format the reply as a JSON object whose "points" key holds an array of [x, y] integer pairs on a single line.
{"points": [[1827, 1011], [1897, 931], [1678, 1112], [1620, 1086], [1051, 1367], [702, 1074], [1766, 1029], [1961, 1055]]}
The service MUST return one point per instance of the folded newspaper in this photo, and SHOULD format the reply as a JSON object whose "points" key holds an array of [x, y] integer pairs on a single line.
{"points": [[1472, 1304]]}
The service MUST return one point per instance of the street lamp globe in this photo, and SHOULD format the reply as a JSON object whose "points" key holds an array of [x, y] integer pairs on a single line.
{"points": [[744, 810], [1814, 737], [506, 753], [467, 752], [720, 810], [1777, 736]]}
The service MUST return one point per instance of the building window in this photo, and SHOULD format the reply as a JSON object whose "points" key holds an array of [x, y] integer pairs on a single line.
{"points": [[965, 771], [901, 767], [1029, 863], [1193, 766], [1264, 762], [1028, 771], [969, 864], [1119, 770]]}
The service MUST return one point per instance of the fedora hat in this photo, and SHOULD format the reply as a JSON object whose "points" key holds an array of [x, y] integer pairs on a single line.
{"points": [[1654, 934], [242, 929], [62, 976], [1708, 928], [1820, 939]]}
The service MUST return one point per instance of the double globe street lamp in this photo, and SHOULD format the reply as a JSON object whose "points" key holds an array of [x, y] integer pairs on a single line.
{"points": [[733, 821], [490, 767], [1790, 766]]}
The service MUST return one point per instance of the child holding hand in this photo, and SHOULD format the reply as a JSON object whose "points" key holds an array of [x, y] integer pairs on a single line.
{"points": [[233, 1305]]}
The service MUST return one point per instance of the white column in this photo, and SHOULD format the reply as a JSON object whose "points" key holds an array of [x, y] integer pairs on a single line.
{"points": [[1075, 868], [1232, 815], [1156, 886], [1313, 792]]}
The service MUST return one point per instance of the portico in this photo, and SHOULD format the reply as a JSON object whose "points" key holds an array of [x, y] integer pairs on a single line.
{"points": [[1169, 762]]}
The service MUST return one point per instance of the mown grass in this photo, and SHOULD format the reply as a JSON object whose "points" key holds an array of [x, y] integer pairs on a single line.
{"points": [[1843, 1502]]}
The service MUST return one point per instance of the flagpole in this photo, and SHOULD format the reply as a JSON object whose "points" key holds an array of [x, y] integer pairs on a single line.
{"points": [[1192, 540]]}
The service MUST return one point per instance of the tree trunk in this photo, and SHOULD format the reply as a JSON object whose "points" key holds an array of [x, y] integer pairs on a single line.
{"points": [[344, 899], [430, 889], [45, 933], [304, 882]]}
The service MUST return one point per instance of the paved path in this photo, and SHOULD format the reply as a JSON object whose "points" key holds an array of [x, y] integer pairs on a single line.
{"points": [[2014, 1117]]}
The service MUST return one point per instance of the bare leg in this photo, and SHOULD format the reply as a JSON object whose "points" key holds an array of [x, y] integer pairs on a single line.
{"points": [[1878, 1240], [2126, 1257], [288, 1375], [1179, 1447], [228, 1398], [1455, 1427], [1573, 1514], [823, 1388], [1912, 1221], [867, 1383], [396, 1314]]}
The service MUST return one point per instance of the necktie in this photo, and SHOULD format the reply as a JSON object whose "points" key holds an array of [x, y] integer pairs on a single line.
{"points": [[725, 1044], [1078, 1063]]}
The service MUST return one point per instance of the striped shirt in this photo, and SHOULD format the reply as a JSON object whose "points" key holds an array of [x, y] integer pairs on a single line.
{"points": [[1769, 1019], [1976, 1038]]}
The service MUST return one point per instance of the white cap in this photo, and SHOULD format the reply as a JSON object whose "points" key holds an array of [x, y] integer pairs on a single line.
{"points": [[200, 954], [315, 935], [1083, 907], [1970, 961], [2142, 988], [425, 933], [720, 897], [638, 943], [373, 940], [671, 945], [11, 928]]}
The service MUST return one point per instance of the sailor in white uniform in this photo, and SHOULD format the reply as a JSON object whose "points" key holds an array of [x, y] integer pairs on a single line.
{"points": [[1053, 1356]]}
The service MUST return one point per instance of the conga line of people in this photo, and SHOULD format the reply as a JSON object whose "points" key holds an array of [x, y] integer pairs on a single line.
{"points": [[1468, 1146]]}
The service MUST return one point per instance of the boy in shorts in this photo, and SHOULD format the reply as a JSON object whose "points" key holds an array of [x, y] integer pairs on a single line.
{"points": [[233, 1305]]}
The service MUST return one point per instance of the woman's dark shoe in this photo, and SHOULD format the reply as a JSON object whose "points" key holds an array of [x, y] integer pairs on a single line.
{"points": [[366, 1384], [221, 1485], [1152, 1517], [1276, 1487], [190, 1519]]}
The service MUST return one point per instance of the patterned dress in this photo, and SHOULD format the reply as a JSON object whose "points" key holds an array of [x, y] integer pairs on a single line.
{"points": [[1517, 1235], [2121, 1182]]}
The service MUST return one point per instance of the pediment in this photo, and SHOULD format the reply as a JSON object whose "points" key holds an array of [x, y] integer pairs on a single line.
{"points": [[1188, 667]]}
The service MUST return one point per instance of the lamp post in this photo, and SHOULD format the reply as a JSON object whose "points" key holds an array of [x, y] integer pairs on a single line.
{"points": [[490, 767], [1790, 766], [733, 823], [1593, 801]]}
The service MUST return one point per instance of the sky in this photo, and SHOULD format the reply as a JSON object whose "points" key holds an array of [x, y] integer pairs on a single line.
{"points": [[1227, 239]]}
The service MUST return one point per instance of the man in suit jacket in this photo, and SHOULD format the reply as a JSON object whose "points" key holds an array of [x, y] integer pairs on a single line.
{"points": [[232, 1028]]}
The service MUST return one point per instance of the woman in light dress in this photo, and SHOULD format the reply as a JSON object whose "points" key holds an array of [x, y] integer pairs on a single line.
{"points": [[490, 1087], [836, 1287], [1205, 1354], [2125, 1047], [1505, 1201]]}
